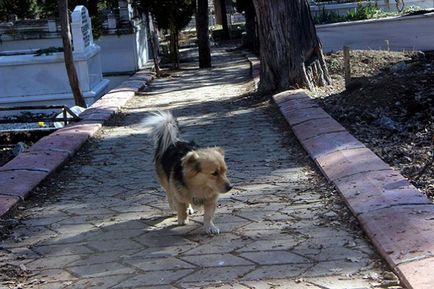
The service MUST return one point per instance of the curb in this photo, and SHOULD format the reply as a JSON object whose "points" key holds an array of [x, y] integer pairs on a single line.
{"points": [[397, 217], [255, 67], [20, 176]]}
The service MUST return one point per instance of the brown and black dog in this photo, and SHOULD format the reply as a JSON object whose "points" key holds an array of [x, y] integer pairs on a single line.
{"points": [[191, 176]]}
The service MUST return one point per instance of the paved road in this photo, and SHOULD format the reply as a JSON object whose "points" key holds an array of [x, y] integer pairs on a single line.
{"points": [[103, 221]]}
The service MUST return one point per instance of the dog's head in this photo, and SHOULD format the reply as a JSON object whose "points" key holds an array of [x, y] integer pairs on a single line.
{"points": [[205, 171]]}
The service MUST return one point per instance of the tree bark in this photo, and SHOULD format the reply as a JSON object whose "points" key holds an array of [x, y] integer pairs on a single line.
{"points": [[203, 33], [224, 19], [174, 46], [290, 51], [151, 33], [251, 41], [67, 52]]}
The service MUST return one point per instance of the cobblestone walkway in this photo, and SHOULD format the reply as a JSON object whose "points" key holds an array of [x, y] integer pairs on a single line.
{"points": [[103, 221]]}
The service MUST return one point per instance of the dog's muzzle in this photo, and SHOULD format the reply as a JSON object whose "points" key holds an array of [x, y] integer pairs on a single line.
{"points": [[228, 187]]}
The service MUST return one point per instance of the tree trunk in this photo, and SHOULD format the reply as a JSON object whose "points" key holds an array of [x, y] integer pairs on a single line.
{"points": [[203, 34], [224, 19], [290, 51], [67, 52], [251, 40], [174, 46], [151, 33]]}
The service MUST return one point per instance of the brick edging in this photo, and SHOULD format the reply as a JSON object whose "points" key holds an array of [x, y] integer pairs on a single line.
{"points": [[20, 176], [397, 217], [255, 67]]}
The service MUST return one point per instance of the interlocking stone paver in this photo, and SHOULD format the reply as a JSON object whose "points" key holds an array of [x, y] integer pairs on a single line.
{"points": [[223, 274], [157, 264], [216, 260], [332, 283], [105, 221], [61, 250], [154, 278], [103, 257], [101, 269], [274, 257], [278, 271], [52, 262], [99, 282], [327, 268], [115, 245]]}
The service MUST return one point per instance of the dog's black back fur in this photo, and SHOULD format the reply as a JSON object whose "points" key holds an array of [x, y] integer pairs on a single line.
{"points": [[171, 159]]}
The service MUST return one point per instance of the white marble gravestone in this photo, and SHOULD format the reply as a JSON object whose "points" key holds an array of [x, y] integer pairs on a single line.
{"points": [[81, 29], [42, 80]]}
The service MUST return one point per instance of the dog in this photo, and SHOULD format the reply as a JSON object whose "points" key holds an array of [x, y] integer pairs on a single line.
{"points": [[191, 176]]}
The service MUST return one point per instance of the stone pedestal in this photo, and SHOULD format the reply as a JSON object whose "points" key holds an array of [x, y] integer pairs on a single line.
{"points": [[42, 80]]}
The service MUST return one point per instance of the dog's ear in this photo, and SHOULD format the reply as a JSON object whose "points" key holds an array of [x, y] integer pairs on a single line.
{"points": [[220, 150], [191, 162]]}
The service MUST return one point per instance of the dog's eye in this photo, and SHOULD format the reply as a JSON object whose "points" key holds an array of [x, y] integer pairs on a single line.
{"points": [[215, 174]]}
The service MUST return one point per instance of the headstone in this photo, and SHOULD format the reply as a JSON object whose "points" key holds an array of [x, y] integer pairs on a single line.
{"points": [[81, 29], [52, 25], [125, 11], [111, 21]]}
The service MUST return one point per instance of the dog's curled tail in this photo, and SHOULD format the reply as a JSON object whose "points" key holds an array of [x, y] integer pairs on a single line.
{"points": [[164, 130]]}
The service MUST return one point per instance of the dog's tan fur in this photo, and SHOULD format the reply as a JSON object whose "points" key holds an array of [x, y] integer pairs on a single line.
{"points": [[205, 178], [190, 176]]}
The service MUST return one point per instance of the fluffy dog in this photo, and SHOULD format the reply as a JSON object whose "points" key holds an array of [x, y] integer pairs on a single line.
{"points": [[191, 176]]}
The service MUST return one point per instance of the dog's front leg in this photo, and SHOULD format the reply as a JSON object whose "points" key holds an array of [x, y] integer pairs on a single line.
{"points": [[209, 210], [182, 213]]}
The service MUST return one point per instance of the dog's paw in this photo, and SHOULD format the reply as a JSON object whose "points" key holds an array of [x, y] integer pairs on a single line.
{"points": [[212, 230], [182, 222]]}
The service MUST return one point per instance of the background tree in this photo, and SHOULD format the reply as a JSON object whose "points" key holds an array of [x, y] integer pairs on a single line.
{"points": [[23, 9], [48, 9], [202, 29], [224, 15], [251, 41], [152, 35], [67, 52], [290, 50], [171, 15]]}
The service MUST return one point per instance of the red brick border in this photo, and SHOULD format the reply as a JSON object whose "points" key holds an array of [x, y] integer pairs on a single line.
{"points": [[21, 175], [398, 218]]}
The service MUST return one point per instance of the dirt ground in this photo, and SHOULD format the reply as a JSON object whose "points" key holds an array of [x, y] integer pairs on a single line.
{"points": [[389, 106]]}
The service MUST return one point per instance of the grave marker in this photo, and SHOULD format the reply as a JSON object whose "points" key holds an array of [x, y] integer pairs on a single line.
{"points": [[81, 29]]}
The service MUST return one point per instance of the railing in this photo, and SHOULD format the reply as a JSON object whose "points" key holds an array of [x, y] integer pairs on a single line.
{"points": [[35, 119]]}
